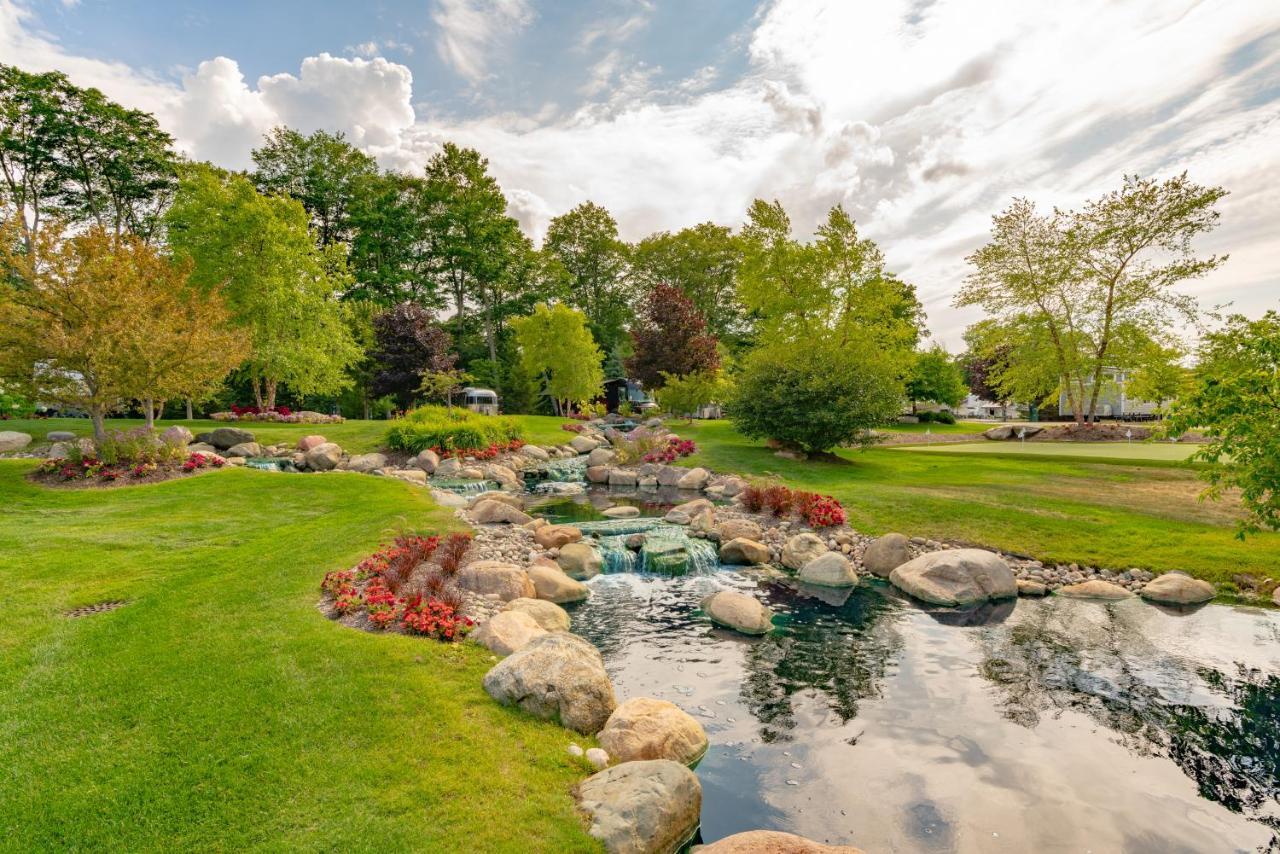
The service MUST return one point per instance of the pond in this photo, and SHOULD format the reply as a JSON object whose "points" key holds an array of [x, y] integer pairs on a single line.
{"points": [[1036, 725]]}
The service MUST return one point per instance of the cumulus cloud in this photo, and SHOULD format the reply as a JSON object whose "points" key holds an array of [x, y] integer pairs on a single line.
{"points": [[470, 31], [922, 119]]}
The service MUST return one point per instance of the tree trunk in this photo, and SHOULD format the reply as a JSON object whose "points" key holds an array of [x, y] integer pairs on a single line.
{"points": [[257, 392], [190, 415], [98, 416], [271, 395], [148, 406], [365, 404]]}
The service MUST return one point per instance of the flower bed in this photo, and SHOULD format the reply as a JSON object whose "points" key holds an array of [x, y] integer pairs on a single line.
{"points": [[674, 448], [406, 586], [125, 456], [279, 415], [817, 511]]}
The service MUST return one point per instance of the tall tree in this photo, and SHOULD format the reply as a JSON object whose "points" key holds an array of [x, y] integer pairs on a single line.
{"points": [[323, 171], [703, 262], [281, 288], [937, 378], [670, 337], [1234, 399], [409, 346], [390, 255], [585, 242], [557, 347], [1098, 284], [101, 318], [80, 157]]}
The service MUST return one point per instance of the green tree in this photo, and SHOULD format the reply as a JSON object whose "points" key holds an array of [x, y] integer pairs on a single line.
{"points": [[703, 262], [936, 377], [281, 288], [1235, 401], [323, 171], [74, 155], [818, 397], [593, 259], [390, 255], [1017, 362], [685, 395], [556, 346], [1098, 284]]}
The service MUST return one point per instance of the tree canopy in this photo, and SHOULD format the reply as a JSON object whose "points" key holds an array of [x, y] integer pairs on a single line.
{"points": [[669, 337], [592, 263], [556, 346], [937, 378]]}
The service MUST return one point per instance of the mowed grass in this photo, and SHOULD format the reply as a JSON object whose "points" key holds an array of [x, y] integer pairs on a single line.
{"points": [[359, 437], [219, 710], [1105, 512], [1087, 451]]}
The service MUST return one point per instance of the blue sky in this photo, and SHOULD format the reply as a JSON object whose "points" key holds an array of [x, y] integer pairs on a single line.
{"points": [[922, 117]]}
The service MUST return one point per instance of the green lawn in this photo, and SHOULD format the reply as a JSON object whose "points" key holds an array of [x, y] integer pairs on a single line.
{"points": [[1108, 512], [355, 436], [1086, 451], [219, 710], [962, 427]]}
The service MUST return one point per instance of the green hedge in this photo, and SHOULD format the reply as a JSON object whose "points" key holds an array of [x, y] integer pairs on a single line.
{"points": [[451, 429]]}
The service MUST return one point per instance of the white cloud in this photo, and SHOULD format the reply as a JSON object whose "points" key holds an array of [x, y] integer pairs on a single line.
{"points": [[922, 119], [472, 30]]}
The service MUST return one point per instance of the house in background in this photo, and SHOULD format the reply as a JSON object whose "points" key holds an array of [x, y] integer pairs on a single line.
{"points": [[619, 390], [1113, 401]]}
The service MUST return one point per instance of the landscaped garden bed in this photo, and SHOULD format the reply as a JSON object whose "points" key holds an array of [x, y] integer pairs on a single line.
{"points": [[124, 457]]}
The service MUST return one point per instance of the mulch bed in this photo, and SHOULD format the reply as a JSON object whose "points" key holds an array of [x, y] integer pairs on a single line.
{"points": [[53, 480]]}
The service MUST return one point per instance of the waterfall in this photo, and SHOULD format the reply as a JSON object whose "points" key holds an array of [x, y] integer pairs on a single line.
{"points": [[568, 470], [465, 487], [667, 550]]}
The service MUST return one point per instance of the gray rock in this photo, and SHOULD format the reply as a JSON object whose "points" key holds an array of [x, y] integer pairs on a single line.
{"points": [[1176, 588], [503, 475], [645, 807], [956, 577], [490, 511], [533, 452], [670, 475], [556, 676], [323, 457], [1095, 588], [621, 511], [695, 478], [999, 434], [885, 554], [427, 460], [225, 437], [738, 611], [552, 584], [496, 578], [598, 474], [68, 436], [365, 463], [550, 616], [176, 435], [12, 440], [829, 569], [622, 477], [507, 631], [583, 444], [245, 449], [450, 468], [601, 457]]}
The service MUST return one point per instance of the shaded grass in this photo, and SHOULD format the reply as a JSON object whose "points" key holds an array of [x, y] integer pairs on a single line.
{"points": [[219, 710], [1111, 513], [1166, 452], [358, 437]]}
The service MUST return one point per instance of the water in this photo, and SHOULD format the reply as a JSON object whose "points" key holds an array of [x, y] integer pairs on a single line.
{"points": [[270, 463], [465, 487], [1040, 725]]}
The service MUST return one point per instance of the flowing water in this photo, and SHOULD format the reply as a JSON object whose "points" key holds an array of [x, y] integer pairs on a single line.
{"points": [[866, 719]]}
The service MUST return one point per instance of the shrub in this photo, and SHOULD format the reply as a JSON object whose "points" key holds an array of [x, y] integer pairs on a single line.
{"points": [[778, 500], [674, 448], [452, 552], [435, 618], [449, 431], [939, 417], [816, 397], [753, 498]]}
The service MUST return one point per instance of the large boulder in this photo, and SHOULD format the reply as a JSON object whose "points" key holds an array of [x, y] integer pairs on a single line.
{"points": [[223, 438], [366, 463], [956, 577], [622, 477], [415, 476], [507, 631], [306, 443], [665, 555], [175, 435], [598, 474], [829, 569], [550, 616], [642, 807], [443, 497], [601, 457], [743, 552], [322, 457], [579, 561], [644, 728], [800, 549], [670, 475], [999, 434], [556, 536], [738, 611], [732, 529], [554, 585], [695, 478], [621, 511], [490, 511], [583, 444], [1177, 588], [502, 474], [496, 578], [885, 554], [448, 468], [498, 495], [1095, 588], [773, 842], [12, 440], [427, 460], [533, 452], [245, 449], [694, 507], [556, 676]]}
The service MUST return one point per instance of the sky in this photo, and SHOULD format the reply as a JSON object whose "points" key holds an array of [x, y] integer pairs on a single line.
{"points": [[922, 117]]}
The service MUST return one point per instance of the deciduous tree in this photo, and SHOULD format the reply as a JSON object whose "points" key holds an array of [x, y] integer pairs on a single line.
{"points": [[703, 262], [585, 242], [937, 378], [669, 337], [556, 346], [410, 346]]}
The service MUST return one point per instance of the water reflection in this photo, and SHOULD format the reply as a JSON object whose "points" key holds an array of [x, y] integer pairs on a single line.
{"points": [[1025, 726]]}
